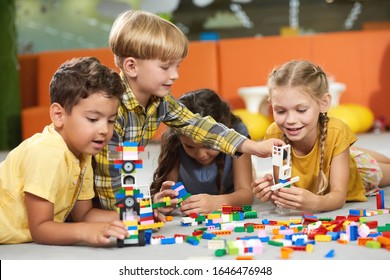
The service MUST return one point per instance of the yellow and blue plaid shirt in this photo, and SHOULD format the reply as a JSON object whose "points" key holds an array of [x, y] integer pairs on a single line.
{"points": [[137, 124]]}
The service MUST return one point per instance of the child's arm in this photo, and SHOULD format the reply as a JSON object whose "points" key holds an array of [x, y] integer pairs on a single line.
{"points": [[45, 230], [215, 135], [205, 203], [261, 149], [300, 199]]}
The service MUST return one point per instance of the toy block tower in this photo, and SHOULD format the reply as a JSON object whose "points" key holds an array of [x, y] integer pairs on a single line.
{"points": [[281, 158], [133, 201]]}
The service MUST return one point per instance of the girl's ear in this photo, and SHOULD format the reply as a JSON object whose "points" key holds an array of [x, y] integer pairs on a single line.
{"points": [[130, 67], [57, 115], [325, 103]]}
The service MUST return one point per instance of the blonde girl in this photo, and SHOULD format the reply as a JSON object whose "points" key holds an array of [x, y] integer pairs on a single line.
{"points": [[331, 170]]}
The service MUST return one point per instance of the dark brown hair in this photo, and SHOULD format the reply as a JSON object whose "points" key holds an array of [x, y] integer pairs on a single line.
{"points": [[204, 102], [79, 78]]}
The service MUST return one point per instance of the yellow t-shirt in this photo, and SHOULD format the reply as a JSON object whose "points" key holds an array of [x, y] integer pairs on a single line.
{"points": [[339, 138], [44, 166]]}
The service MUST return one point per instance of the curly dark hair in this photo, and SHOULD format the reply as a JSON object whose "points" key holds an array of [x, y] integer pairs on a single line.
{"points": [[205, 102], [79, 78]]}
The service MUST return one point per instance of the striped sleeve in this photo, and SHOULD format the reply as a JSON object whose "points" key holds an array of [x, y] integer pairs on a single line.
{"points": [[203, 129]]}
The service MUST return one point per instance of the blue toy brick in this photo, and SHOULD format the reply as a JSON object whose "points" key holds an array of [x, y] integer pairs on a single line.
{"points": [[353, 232], [309, 216], [193, 241], [335, 235], [300, 241], [148, 236], [207, 235], [330, 254], [140, 195], [382, 194], [130, 144], [354, 212], [132, 227], [170, 240], [248, 237], [120, 195], [264, 239], [146, 215], [288, 236]]}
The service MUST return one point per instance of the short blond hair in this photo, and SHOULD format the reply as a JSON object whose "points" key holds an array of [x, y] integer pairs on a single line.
{"points": [[144, 35]]}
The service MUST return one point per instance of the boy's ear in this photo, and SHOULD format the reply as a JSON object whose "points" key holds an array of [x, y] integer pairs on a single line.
{"points": [[130, 66], [57, 114], [325, 103]]}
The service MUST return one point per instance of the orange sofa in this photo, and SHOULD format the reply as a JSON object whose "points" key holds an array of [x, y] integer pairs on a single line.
{"points": [[359, 59], [37, 70]]}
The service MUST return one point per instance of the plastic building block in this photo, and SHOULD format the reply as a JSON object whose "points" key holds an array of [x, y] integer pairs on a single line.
{"points": [[220, 252], [281, 158], [380, 199], [330, 254], [246, 258], [216, 244], [285, 252], [182, 192], [309, 248], [373, 244], [275, 243]]}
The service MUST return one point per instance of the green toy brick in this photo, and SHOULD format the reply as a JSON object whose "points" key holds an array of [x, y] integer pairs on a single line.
{"points": [[220, 252], [275, 243]]}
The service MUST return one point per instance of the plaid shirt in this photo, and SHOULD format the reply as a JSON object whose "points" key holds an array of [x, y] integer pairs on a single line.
{"points": [[137, 124]]}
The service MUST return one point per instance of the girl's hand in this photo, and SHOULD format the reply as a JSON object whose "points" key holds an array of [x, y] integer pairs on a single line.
{"points": [[165, 191], [100, 233], [262, 187], [199, 203], [296, 199]]}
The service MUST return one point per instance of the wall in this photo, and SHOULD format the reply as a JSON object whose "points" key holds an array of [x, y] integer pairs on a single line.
{"points": [[360, 60]]}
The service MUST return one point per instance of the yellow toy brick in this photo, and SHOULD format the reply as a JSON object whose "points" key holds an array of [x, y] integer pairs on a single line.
{"points": [[323, 238], [309, 248]]}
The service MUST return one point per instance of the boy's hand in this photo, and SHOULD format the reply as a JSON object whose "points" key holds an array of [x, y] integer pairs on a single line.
{"points": [[100, 233], [265, 147], [261, 149], [262, 187]]}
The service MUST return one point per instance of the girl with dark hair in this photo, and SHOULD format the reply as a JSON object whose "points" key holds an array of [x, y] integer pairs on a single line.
{"points": [[213, 178]]}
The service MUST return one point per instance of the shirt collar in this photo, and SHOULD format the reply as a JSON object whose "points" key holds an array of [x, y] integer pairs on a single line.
{"points": [[129, 100]]}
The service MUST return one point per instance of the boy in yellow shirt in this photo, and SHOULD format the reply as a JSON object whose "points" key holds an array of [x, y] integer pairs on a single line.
{"points": [[49, 176]]}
